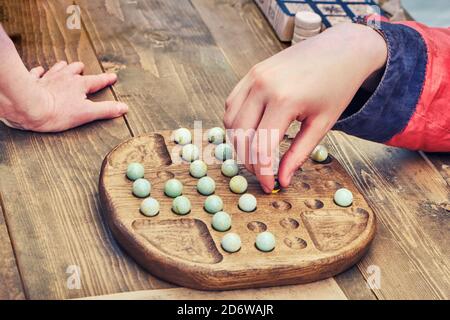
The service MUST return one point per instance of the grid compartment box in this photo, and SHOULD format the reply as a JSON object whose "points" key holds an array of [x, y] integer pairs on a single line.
{"points": [[281, 13]]}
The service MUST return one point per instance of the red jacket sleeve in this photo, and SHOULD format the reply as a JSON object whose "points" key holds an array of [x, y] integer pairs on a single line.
{"points": [[411, 106], [429, 127]]}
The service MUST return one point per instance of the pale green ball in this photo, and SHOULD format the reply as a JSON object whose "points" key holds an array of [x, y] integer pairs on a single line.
{"points": [[230, 168], [173, 188], [221, 221], [238, 184], [135, 171], [149, 207], [190, 152], [319, 154], [247, 202], [343, 197], [265, 241], [141, 188], [206, 186], [182, 136], [216, 135], [223, 151], [181, 205], [231, 242], [198, 169], [213, 204]]}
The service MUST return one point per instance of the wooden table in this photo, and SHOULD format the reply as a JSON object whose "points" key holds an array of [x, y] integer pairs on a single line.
{"points": [[177, 61]]}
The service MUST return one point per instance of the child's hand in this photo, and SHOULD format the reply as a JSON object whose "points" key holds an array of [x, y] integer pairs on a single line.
{"points": [[56, 100], [313, 82]]}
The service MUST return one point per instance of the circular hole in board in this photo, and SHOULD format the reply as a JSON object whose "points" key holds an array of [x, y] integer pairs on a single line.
{"points": [[304, 186], [289, 223], [282, 205], [295, 243], [314, 204], [333, 185], [165, 175], [324, 169], [256, 226], [301, 185]]}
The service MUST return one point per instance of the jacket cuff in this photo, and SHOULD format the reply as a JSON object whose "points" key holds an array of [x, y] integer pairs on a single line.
{"points": [[388, 110]]}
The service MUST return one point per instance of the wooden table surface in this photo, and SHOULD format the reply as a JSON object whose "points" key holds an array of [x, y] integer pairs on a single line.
{"points": [[177, 60]]}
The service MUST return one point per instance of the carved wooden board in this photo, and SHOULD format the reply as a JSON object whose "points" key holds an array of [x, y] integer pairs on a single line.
{"points": [[316, 238]]}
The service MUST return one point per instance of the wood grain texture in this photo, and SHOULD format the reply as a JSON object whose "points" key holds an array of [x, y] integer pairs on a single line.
{"points": [[354, 285], [253, 40], [10, 281], [170, 70], [316, 238], [320, 290], [441, 161], [413, 230], [412, 240], [49, 181]]}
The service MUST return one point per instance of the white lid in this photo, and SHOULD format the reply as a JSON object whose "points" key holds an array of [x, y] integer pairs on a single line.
{"points": [[308, 20]]}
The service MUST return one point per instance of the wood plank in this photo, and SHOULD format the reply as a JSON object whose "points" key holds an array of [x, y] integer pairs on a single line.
{"points": [[10, 281], [354, 286], [241, 30], [410, 247], [49, 181], [440, 161], [412, 235], [321, 290], [171, 72]]}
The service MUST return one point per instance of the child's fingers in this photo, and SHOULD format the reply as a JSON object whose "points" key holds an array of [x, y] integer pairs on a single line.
{"points": [[100, 110], [245, 124], [75, 67], [37, 72], [266, 143], [235, 101], [311, 133], [57, 67], [234, 93], [94, 83]]}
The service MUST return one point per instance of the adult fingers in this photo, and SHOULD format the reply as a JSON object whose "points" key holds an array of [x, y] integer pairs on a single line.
{"points": [[37, 72], [245, 124], [94, 83], [75, 67], [266, 142], [311, 133], [99, 110]]}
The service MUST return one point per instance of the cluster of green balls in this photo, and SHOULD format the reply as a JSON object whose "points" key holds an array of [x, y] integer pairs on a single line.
{"points": [[265, 241], [141, 189], [213, 204], [221, 220]]}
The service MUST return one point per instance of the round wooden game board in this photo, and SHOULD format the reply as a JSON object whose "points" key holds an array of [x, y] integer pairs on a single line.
{"points": [[316, 238]]}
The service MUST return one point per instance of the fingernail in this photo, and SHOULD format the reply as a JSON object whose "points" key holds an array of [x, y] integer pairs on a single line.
{"points": [[123, 108], [266, 189]]}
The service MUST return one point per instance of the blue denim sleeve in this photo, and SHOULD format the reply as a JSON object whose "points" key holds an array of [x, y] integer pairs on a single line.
{"points": [[389, 108]]}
